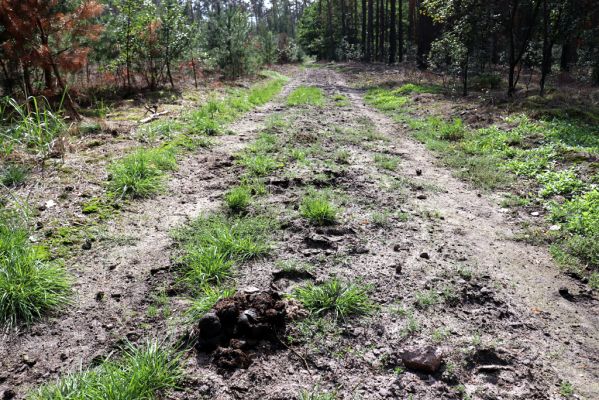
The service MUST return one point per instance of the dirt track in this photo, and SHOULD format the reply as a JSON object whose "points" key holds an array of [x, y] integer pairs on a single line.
{"points": [[510, 335]]}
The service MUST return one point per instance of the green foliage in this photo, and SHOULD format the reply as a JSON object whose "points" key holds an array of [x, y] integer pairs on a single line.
{"points": [[317, 208], [228, 41], [580, 215], [306, 95], [13, 175], [30, 285], [143, 372], [141, 173], [562, 182], [341, 299]]}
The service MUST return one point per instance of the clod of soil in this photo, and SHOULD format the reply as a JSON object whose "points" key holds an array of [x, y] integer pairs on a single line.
{"points": [[239, 323]]}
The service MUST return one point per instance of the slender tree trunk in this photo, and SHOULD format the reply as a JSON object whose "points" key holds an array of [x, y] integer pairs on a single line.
{"points": [[27, 88], [400, 35], [392, 33], [364, 45], [370, 41], [465, 75], [547, 46]]}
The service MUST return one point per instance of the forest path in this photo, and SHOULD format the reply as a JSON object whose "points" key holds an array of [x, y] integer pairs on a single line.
{"points": [[566, 330], [436, 253], [127, 270]]}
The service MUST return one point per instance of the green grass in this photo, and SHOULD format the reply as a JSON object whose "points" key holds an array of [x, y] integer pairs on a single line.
{"points": [[341, 100], [13, 175], [30, 285], [141, 173], [260, 164], [318, 209], [205, 300], [238, 198], [386, 100], [316, 395], [306, 95], [426, 299], [212, 244], [384, 161], [142, 372], [335, 297], [211, 118], [31, 126]]}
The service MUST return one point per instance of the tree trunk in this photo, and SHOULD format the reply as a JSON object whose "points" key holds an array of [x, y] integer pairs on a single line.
{"points": [[400, 35], [370, 41], [392, 33], [364, 46], [547, 47]]}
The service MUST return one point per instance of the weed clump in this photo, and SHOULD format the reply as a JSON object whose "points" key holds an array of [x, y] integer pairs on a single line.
{"points": [[386, 162]]}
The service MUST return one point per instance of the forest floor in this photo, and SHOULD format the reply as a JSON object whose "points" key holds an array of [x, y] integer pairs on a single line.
{"points": [[437, 255]]}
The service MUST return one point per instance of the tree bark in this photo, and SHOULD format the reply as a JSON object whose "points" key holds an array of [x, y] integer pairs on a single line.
{"points": [[370, 40], [400, 35]]}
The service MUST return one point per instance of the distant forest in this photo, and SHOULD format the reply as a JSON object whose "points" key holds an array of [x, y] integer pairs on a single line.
{"points": [[51, 46]]}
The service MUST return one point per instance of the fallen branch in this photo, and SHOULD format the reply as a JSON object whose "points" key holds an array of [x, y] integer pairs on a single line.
{"points": [[153, 117]]}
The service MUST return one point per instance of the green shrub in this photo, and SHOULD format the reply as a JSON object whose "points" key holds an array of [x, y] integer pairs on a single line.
{"points": [[317, 208], [143, 372], [30, 286], [341, 299]]}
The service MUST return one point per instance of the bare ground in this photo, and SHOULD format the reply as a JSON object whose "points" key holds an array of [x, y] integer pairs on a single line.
{"points": [[507, 332]]}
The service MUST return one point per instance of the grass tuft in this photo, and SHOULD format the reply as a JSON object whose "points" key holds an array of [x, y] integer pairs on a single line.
{"points": [[317, 208], [30, 285], [238, 199], [143, 372], [341, 299], [141, 173], [386, 162], [212, 244], [13, 175]]}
